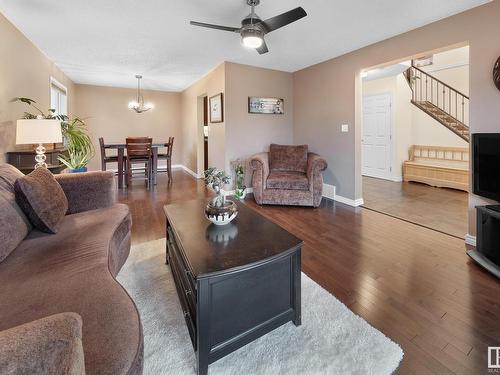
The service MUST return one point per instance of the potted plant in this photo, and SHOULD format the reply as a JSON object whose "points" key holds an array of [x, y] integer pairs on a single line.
{"points": [[79, 147], [240, 188], [218, 210]]}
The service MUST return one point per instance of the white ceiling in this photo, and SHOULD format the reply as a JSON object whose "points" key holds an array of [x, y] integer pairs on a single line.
{"points": [[107, 42]]}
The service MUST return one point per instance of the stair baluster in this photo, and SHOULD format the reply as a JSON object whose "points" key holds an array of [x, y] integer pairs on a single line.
{"points": [[440, 109]]}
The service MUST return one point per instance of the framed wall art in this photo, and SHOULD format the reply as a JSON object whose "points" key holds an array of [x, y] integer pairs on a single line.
{"points": [[274, 106], [496, 74], [216, 108]]}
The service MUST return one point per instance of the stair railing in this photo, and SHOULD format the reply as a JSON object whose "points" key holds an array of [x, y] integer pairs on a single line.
{"points": [[427, 88]]}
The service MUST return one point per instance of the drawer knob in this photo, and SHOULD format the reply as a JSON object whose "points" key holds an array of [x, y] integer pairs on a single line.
{"points": [[188, 292], [186, 313]]}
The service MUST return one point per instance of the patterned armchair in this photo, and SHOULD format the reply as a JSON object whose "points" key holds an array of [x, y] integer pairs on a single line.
{"points": [[288, 175]]}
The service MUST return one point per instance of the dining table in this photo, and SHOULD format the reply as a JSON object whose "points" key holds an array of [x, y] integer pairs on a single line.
{"points": [[121, 147]]}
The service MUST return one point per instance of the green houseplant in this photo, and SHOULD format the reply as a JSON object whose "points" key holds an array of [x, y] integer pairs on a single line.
{"points": [[240, 188], [79, 147]]}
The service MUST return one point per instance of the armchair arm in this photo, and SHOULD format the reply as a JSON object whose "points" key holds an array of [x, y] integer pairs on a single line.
{"points": [[51, 345], [260, 167], [315, 165], [87, 191]]}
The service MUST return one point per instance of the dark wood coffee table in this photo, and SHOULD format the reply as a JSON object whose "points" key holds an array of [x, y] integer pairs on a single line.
{"points": [[235, 282]]}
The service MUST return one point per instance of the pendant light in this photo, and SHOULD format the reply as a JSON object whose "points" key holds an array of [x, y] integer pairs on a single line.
{"points": [[139, 106]]}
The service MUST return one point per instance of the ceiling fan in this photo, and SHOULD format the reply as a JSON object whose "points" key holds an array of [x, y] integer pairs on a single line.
{"points": [[253, 29]]}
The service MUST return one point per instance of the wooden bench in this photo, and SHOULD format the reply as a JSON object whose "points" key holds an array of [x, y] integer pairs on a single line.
{"points": [[438, 166]]}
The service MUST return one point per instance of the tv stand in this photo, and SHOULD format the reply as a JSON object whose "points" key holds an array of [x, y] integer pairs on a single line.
{"points": [[487, 252]]}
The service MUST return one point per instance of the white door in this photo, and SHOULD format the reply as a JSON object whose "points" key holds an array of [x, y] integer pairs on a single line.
{"points": [[376, 140]]}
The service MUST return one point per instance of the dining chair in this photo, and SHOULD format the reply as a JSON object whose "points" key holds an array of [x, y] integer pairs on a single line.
{"points": [[105, 158], [168, 156], [138, 151]]}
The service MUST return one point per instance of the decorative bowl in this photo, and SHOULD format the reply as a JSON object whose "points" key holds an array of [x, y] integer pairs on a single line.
{"points": [[221, 215]]}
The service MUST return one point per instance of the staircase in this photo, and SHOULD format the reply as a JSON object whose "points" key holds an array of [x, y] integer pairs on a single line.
{"points": [[440, 101]]}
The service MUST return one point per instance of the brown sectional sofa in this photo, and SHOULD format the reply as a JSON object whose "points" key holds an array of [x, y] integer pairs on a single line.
{"points": [[74, 270]]}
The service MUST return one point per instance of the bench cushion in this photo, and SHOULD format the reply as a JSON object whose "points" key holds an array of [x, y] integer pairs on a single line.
{"points": [[74, 270]]}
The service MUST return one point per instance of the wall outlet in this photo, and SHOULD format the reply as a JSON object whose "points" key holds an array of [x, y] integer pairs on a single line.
{"points": [[345, 128]]}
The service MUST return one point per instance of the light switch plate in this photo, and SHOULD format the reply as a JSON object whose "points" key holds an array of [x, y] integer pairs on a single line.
{"points": [[345, 128]]}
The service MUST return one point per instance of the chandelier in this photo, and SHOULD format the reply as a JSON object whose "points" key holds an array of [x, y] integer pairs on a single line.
{"points": [[139, 106]]}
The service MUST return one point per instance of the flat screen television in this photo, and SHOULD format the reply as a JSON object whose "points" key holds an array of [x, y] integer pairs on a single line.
{"points": [[486, 165]]}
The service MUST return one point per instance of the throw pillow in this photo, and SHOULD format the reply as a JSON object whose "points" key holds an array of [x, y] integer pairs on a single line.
{"points": [[42, 199], [288, 158]]}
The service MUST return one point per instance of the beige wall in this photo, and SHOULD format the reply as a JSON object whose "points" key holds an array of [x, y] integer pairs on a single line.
{"points": [[24, 71], [106, 114], [192, 131], [246, 133], [329, 94]]}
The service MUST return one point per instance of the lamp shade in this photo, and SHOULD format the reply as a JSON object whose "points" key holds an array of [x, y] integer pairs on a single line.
{"points": [[38, 131]]}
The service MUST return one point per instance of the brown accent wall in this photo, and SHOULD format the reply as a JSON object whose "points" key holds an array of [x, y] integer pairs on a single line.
{"points": [[328, 94], [105, 110], [248, 133], [24, 71]]}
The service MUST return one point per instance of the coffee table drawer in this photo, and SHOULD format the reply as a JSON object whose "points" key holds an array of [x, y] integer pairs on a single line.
{"points": [[187, 274]]}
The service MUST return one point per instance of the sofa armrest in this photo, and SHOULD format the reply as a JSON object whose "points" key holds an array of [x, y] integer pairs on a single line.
{"points": [[315, 165], [88, 191], [260, 167], [51, 345]]}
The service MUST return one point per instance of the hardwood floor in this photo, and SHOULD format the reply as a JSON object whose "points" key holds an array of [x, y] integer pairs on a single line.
{"points": [[438, 208], [414, 284]]}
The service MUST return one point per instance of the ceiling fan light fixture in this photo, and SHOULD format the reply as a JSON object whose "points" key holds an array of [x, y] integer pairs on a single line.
{"points": [[252, 38]]}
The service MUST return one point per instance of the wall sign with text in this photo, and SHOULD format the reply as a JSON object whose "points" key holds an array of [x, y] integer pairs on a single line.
{"points": [[274, 106]]}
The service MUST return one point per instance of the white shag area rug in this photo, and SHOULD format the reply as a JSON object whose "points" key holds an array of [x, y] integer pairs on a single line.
{"points": [[331, 339]]}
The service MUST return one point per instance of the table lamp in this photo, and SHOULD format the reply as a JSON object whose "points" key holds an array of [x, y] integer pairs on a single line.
{"points": [[38, 131]]}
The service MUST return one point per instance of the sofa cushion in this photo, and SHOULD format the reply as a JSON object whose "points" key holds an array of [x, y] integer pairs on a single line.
{"points": [[51, 345], [42, 199], [287, 180], [288, 158], [8, 176], [74, 270], [14, 225]]}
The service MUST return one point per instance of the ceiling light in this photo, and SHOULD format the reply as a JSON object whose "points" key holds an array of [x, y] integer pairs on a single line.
{"points": [[139, 106], [252, 37]]}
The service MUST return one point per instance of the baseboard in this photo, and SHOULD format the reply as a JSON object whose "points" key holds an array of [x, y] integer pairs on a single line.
{"points": [[187, 170], [348, 201], [329, 191], [232, 192], [162, 166], [397, 179], [470, 240]]}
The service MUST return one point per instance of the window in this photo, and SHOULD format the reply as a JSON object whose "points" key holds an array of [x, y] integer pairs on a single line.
{"points": [[58, 97]]}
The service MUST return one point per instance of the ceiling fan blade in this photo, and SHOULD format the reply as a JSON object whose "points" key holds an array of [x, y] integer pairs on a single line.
{"points": [[284, 19], [218, 27], [263, 48]]}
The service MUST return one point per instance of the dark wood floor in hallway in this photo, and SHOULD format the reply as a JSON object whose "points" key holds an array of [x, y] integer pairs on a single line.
{"points": [[414, 284]]}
